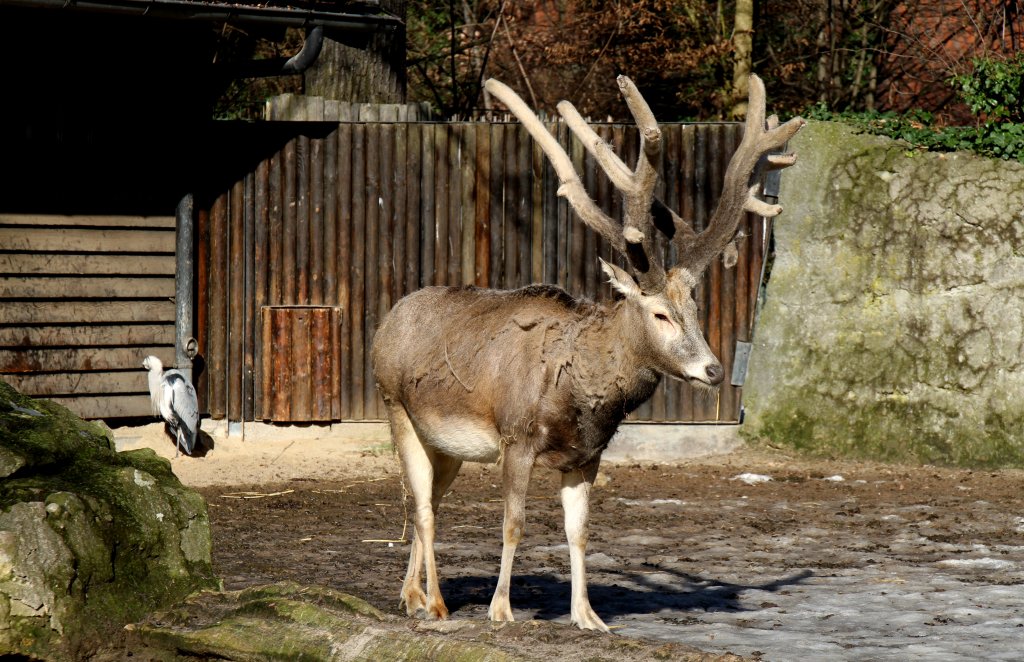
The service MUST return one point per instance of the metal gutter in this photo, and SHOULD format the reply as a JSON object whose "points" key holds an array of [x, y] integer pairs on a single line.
{"points": [[219, 11], [185, 344]]}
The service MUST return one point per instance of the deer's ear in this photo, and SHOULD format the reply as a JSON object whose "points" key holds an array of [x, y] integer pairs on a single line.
{"points": [[621, 281]]}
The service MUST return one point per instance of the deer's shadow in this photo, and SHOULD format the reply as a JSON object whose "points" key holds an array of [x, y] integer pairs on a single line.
{"points": [[549, 596]]}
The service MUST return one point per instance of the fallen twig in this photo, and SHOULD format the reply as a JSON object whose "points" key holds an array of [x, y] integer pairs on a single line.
{"points": [[254, 495]]}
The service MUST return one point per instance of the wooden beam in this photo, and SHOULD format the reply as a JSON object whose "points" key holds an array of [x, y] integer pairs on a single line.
{"points": [[86, 240], [84, 312], [107, 406], [64, 287], [70, 383], [116, 335], [88, 221], [86, 265], [91, 358]]}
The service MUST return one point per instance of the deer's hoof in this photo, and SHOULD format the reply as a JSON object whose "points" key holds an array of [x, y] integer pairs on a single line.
{"points": [[588, 620], [500, 613], [415, 602], [435, 611]]}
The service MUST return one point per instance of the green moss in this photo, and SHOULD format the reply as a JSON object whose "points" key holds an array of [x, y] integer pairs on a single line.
{"points": [[124, 536], [885, 333]]}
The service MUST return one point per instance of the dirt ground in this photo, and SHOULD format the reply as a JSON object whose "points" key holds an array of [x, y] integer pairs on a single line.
{"points": [[756, 553]]}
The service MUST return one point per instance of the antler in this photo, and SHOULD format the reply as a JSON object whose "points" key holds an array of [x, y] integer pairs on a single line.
{"points": [[633, 239], [739, 192]]}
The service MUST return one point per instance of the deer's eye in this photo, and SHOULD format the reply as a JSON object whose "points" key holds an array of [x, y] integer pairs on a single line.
{"points": [[661, 317]]}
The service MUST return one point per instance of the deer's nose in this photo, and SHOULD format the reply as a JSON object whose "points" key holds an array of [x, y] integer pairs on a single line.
{"points": [[715, 373]]}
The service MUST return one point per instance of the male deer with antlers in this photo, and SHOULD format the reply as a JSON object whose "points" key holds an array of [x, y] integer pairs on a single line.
{"points": [[535, 377]]}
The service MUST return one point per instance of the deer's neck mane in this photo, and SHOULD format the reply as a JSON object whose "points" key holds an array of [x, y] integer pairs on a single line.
{"points": [[611, 377]]}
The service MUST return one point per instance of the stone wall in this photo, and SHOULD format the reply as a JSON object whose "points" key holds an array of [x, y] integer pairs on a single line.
{"points": [[893, 324]]}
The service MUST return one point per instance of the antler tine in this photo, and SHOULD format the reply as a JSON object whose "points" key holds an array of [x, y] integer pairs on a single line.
{"points": [[634, 240], [571, 186], [742, 179]]}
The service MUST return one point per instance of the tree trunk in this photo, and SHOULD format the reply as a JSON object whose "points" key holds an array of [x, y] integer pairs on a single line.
{"points": [[743, 47]]}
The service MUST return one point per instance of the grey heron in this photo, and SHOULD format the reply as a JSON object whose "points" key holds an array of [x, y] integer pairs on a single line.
{"points": [[174, 400]]}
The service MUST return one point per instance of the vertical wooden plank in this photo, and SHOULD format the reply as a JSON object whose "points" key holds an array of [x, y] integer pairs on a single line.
{"points": [[510, 208], [524, 220], [284, 396], [536, 211], [483, 205], [275, 239], [317, 243], [442, 177], [693, 143], [564, 220], [467, 205], [289, 264], [335, 354], [728, 409], [266, 401], [358, 264], [671, 173], [331, 271], [249, 326], [218, 324], [236, 297], [399, 218], [577, 231], [300, 366], [320, 364], [303, 262], [385, 197], [346, 285], [687, 209], [599, 189], [549, 212], [413, 241], [372, 273], [454, 168], [713, 277], [261, 254], [203, 302], [428, 240], [496, 217]]}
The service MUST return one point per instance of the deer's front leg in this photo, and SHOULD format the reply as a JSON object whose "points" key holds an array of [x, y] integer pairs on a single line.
{"points": [[576, 504], [517, 469]]}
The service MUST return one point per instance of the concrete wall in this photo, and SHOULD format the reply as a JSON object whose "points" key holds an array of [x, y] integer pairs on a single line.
{"points": [[893, 326]]}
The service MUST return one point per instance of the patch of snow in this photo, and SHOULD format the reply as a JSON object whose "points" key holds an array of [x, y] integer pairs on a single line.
{"points": [[984, 563], [834, 479], [751, 479]]}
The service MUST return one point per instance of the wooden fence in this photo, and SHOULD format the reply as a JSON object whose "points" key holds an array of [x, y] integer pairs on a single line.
{"points": [[350, 217]]}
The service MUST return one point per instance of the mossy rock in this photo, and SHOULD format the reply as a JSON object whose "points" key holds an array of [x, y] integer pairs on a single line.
{"points": [[287, 621], [90, 539], [891, 329]]}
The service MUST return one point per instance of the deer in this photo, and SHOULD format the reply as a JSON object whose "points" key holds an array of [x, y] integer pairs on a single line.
{"points": [[533, 377]]}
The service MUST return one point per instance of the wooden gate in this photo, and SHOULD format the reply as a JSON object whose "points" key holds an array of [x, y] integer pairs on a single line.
{"points": [[353, 216]]}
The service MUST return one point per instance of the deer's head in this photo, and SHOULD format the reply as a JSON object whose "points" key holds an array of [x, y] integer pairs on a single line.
{"points": [[660, 299]]}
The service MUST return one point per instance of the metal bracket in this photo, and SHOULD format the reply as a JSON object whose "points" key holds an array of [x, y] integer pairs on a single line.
{"points": [[739, 363]]}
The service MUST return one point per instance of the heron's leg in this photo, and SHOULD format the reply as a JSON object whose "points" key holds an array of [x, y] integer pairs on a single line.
{"points": [[575, 494], [517, 468]]}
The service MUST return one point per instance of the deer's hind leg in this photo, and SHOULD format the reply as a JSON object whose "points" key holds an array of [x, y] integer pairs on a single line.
{"points": [[428, 474]]}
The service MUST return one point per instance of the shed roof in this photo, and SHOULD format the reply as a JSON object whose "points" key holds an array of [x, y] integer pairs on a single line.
{"points": [[358, 15]]}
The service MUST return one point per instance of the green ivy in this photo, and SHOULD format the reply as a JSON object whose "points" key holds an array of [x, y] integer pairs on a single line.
{"points": [[994, 91], [994, 88]]}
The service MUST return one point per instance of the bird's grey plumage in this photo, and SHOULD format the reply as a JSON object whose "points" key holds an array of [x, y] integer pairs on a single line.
{"points": [[174, 400]]}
